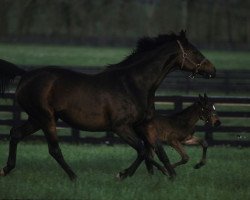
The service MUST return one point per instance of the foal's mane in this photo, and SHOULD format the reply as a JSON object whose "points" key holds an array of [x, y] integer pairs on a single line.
{"points": [[146, 44], [184, 113]]}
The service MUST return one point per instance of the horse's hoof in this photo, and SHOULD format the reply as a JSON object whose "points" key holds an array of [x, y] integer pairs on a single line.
{"points": [[121, 176], [73, 177], [2, 173]]}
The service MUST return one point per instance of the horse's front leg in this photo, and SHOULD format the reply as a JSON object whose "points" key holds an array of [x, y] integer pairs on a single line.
{"points": [[129, 136], [194, 141]]}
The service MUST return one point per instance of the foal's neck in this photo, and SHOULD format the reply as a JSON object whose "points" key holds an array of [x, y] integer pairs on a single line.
{"points": [[190, 116]]}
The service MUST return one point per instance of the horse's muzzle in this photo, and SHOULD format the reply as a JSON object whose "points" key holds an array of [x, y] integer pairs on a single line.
{"points": [[211, 74]]}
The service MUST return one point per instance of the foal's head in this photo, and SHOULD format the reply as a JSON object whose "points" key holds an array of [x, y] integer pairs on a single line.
{"points": [[191, 59], [207, 111]]}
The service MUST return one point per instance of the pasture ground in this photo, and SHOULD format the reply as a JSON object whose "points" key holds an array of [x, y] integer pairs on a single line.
{"points": [[38, 176]]}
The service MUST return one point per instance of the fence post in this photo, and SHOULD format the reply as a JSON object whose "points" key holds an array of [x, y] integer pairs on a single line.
{"points": [[178, 104], [75, 135]]}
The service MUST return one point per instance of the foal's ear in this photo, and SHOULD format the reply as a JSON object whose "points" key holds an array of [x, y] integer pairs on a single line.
{"points": [[183, 33], [205, 97], [201, 99]]}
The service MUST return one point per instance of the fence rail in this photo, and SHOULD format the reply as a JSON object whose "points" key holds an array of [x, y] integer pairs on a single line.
{"points": [[178, 103]]}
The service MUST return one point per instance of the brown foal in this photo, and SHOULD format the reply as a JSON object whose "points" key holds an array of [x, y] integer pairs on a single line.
{"points": [[179, 128]]}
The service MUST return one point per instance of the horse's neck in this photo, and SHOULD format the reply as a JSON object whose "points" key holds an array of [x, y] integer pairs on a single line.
{"points": [[151, 71], [189, 116]]}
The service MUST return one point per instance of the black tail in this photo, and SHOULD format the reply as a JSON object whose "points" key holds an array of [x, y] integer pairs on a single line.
{"points": [[8, 72]]}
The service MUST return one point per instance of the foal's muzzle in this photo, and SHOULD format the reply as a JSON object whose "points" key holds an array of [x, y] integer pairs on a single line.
{"points": [[217, 123]]}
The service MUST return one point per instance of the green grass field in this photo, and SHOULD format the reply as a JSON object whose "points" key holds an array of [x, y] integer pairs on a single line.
{"points": [[101, 56], [38, 176]]}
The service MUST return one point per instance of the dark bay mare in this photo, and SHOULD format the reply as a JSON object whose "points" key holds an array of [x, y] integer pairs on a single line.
{"points": [[179, 128], [118, 99]]}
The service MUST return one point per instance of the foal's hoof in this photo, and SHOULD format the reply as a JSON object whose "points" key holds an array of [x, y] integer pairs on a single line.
{"points": [[2, 173], [121, 176], [198, 165]]}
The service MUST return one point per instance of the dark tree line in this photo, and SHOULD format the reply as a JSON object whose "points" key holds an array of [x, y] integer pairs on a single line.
{"points": [[208, 22]]}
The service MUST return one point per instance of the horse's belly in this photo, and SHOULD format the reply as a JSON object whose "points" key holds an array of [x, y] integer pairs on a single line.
{"points": [[89, 121]]}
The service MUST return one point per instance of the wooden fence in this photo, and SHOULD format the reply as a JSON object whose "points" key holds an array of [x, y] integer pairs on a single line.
{"points": [[174, 104]]}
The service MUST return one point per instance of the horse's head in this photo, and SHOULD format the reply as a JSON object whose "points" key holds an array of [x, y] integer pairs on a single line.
{"points": [[192, 60], [207, 111]]}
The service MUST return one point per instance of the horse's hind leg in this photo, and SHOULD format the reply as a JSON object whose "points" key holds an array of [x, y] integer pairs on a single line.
{"points": [[49, 129], [16, 135]]}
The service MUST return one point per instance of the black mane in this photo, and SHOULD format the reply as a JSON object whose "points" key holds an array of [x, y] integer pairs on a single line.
{"points": [[146, 44]]}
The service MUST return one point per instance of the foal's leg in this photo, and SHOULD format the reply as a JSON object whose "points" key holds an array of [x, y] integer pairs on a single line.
{"points": [[195, 140], [160, 152], [155, 143], [49, 130], [128, 135], [143, 132], [16, 135], [148, 162], [179, 148]]}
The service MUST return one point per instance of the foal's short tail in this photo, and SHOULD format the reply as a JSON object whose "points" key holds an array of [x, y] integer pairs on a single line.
{"points": [[8, 72]]}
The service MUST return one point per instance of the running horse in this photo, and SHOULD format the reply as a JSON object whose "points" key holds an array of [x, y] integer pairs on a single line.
{"points": [[117, 99]]}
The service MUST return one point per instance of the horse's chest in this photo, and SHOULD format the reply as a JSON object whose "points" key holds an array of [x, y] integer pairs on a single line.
{"points": [[129, 110]]}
